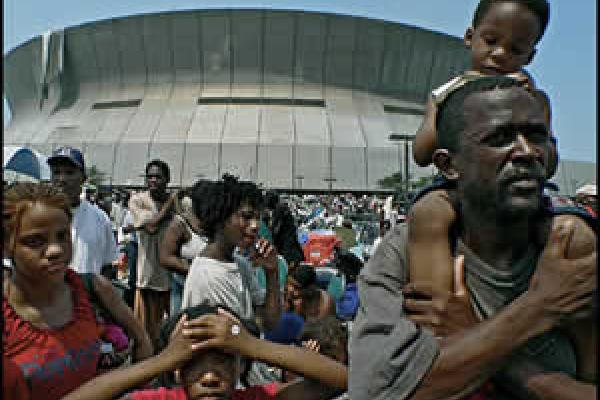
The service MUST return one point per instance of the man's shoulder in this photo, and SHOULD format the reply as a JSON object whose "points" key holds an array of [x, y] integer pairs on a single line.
{"points": [[92, 214]]}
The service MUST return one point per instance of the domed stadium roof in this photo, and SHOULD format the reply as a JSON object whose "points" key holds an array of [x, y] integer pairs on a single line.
{"points": [[289, 99]]}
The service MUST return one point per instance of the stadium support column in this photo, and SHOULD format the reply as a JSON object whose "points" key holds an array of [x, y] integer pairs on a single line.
{"points": [[397, 138]]}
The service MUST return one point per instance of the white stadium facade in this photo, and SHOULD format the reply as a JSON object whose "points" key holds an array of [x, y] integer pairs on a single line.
{"points": [[293, 100]]}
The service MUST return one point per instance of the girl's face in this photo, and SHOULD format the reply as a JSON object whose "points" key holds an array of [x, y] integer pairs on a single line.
{"points": [[241, 229], [42, 248]]}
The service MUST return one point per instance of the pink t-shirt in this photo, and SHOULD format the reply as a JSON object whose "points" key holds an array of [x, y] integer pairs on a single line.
{"points": [[261, 392]]}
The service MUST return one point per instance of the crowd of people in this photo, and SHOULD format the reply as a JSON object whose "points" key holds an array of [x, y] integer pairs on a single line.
{"points": [[485, 288]]}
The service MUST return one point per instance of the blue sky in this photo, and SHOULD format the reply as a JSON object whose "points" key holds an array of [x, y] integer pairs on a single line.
{"points": [[565, 65]]}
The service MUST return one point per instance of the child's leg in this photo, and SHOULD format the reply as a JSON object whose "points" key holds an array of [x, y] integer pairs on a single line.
{"points": [[429, 255], [583, 332]]}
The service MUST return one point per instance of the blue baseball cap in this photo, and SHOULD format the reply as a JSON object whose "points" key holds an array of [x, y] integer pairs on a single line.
{"points": [[68, 153]]}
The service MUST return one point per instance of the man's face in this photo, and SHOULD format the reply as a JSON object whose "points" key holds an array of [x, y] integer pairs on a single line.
{"points": [[504, 151], [68, 177], [211, 375], [156, 181], [504, 39]]}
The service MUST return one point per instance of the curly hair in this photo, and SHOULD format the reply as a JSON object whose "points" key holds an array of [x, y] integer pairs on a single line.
{"points": [[21, 197], [215, 202]]}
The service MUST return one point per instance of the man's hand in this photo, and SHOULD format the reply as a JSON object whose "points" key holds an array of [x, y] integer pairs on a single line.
{"points": [[563, 288], [445, 313]]}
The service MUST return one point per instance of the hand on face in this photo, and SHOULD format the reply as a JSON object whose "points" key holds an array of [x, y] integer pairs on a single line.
{"points": [[265, 255], [221, 332], [445, 313]]}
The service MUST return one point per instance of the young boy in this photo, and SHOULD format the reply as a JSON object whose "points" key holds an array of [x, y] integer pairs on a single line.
{"points": [[205, 345]]}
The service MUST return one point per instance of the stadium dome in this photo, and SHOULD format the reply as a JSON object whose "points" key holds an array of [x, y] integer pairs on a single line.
{"points": [[289, 99]]}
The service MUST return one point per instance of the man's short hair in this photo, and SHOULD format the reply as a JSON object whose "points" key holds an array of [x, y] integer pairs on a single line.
{"points": [[450, 118], [540, 8], [164, 167]]}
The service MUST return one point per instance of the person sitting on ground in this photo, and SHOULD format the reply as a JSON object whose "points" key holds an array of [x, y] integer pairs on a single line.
{"points": [[350, 265], [182, 242], [326, 336], [47, 313], [204, 345], [304, 297]]}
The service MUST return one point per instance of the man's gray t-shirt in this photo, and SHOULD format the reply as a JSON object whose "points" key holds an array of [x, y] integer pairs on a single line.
{"points": [[389, 355]]}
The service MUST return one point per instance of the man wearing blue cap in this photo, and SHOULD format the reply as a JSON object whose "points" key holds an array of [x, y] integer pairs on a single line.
{"points": [[94, 244]]}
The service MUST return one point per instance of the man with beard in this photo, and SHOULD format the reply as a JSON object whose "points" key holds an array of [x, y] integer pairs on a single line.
{"points": [[94, 245], [530, 278], [152, 211]]}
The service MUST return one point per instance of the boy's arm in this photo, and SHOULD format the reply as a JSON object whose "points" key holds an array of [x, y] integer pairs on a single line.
{"points": [[426, 137], [429, 255]]}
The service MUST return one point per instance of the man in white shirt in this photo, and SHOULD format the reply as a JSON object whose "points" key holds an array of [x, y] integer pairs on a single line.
{"points": [[94, 244]]}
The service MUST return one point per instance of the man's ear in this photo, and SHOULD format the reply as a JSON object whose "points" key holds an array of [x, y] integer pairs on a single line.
{"points": [[531, 55], [468, 37], [444, 161]]}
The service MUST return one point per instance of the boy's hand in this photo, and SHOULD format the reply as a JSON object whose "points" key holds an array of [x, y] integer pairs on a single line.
{"points": [[221, 331], [180, 348], [524, 79], [312, 345], [445, 313]]}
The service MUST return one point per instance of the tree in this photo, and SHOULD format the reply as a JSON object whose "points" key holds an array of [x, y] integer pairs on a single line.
{"points": [[422, 182], [95, 177], [393, 181]]}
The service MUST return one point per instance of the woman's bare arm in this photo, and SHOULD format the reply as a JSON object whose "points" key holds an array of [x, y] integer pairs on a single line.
{"points": [[167, 249]]}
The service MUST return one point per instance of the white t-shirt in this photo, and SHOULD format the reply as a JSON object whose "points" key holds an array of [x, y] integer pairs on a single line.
{"points": [[232, 284], [93, 241]]}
